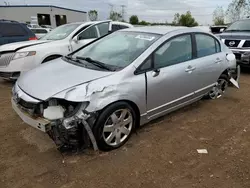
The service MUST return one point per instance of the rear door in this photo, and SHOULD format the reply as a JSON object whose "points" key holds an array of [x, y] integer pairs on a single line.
{"points": [[12, 32], [209, 62], [91, 33]]}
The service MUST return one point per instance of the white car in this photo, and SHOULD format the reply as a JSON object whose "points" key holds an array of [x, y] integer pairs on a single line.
{"points": [[16, 58], [40, 32]]}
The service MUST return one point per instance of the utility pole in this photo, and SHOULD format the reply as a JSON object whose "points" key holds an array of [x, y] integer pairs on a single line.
{"points": [[123, 12]]}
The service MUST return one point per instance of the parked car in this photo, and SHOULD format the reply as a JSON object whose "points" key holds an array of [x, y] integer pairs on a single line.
{"points": [[237, 38], [47, 26], [12, 31], [100, 93], [33, 26], [40, 32], [217, 29], [22, 57]]}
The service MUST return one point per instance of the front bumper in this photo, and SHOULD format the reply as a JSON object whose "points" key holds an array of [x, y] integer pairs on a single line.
{"points": [[38, 123], [242, 56], [9, 75]]}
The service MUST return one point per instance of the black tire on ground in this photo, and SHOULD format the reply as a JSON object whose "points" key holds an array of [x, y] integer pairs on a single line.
{"points": [[103, 117]]}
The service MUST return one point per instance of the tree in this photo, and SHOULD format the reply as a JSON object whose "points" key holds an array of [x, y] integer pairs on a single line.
{"points": [[115, 16], [184, 20], [237, 10], [218, 16], [134, 20], [143, 23], [93, 15], [176, 20]]}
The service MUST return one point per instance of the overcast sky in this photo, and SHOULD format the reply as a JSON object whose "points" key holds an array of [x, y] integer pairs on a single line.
{"points": [[149, 10]]}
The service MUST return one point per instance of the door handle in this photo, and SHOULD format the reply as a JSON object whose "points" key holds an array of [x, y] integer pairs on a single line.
{"points": [[218, 60], [190, 69]]}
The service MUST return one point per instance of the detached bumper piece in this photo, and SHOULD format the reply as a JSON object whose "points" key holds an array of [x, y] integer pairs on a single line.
{"points": [[38, 123]]}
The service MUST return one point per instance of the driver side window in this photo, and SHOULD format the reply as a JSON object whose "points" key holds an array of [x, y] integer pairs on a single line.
{"points": [[175, 51], [90, 33]]}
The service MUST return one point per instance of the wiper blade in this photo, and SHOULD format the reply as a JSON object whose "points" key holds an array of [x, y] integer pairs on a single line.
{"points": [[95, 62], [71, 58]]}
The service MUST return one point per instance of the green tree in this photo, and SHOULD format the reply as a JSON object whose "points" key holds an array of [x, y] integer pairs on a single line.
{"points": [[143, 23], [134, 20], [185, 20], [115, 16], [237, 10], [218, 16], [93, 15]]}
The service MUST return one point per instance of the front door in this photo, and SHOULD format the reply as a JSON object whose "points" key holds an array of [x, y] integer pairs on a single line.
{"points": [[170, 84], [91, 33]]}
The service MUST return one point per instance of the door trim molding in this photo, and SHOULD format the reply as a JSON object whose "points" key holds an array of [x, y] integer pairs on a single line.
{"points": [[174, 101]]}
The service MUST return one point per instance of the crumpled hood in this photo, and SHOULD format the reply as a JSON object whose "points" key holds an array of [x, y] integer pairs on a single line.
{"points": [[235, 35], [19, 45], [53, 77]]}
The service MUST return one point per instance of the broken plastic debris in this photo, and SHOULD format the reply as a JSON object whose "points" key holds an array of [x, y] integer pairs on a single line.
{"points": [[202, 151]]}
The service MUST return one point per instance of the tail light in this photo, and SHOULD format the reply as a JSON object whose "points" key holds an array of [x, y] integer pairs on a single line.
{"points": [[32, 38]]}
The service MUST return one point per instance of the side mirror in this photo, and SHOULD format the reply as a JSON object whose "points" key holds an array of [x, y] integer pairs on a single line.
{"points": [[75, 39], [230, 57]]}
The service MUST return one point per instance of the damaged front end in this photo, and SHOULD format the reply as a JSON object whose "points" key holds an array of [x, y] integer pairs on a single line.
{"points": [[66, 122], [74, 130]]}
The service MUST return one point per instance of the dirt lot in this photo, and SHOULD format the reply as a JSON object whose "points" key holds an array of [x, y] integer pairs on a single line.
{"points": [[162, 154]]}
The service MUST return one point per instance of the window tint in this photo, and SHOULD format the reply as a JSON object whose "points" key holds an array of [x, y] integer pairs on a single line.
{"points": [[103, 29], [205, 45], [123, 27], [90, 33], [175, 51], [12, 29], [115, 27]]}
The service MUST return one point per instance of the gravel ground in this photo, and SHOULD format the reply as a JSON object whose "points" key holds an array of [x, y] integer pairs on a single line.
{"points": [[161, 154]]}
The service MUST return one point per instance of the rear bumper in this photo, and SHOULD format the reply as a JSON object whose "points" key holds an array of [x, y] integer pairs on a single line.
{"points": [[41, 124]]}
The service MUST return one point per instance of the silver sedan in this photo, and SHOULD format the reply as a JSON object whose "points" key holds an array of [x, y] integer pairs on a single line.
{"points": [[96, 96]]}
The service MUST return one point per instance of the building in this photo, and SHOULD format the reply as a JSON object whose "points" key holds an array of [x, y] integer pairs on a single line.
{"points": [[45, 14]]}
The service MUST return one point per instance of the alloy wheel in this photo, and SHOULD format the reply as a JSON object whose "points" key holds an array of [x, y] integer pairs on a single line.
{"points": [[118, 127]]}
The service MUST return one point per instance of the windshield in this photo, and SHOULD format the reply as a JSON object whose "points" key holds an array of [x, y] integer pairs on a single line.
{"points": [[118, 49], [242, 25], [61, 32]]}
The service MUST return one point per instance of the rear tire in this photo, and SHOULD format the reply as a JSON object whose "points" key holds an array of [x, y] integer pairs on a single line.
{"points": [[114, 126], [220, 88]]}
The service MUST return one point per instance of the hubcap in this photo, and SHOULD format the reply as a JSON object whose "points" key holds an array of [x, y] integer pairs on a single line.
{"points": [[219, 89], [118, 127]]}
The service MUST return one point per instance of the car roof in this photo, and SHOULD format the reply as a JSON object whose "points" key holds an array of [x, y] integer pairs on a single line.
{"points": [[122, 23], [162, 30]]}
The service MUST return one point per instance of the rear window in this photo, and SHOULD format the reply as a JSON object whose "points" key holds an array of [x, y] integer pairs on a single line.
{"points": [[12, 30]]}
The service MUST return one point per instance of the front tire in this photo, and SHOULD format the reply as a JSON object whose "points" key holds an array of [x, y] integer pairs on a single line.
{"points": [[114, 126]]}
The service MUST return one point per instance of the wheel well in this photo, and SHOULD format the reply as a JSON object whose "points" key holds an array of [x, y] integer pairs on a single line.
{"points": [[134, 106], [51, 57], [225, 72]]}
